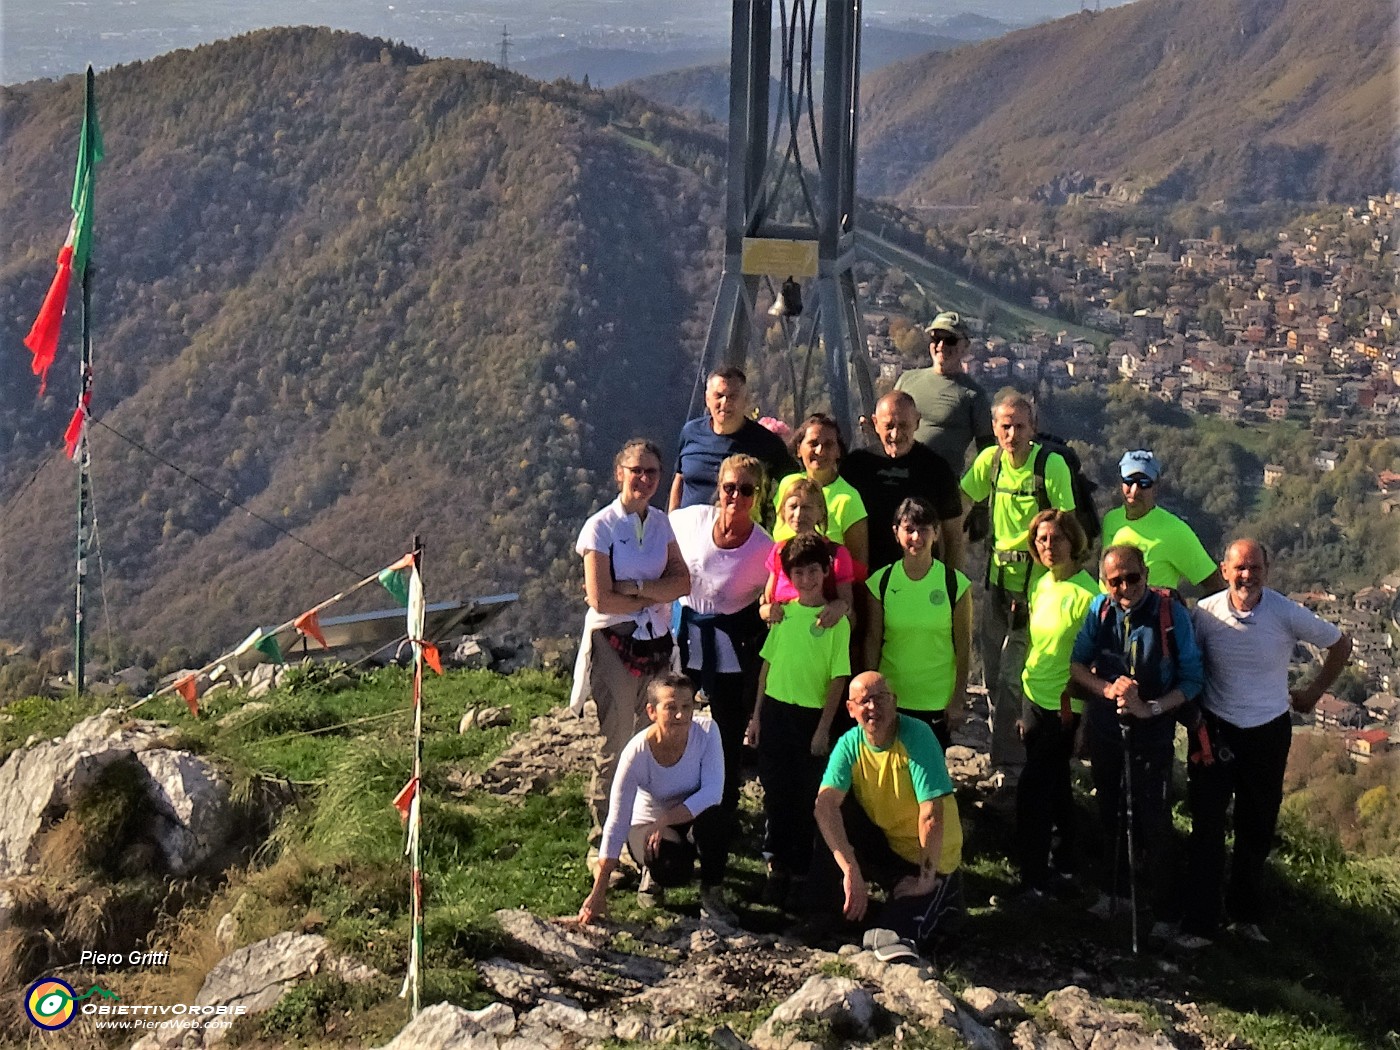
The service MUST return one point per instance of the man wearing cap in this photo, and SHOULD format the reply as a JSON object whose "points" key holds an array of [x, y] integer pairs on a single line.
{"points": [[953, 410], [725, 430], [899, 468], [887, 815], [1018, 478], [1172, 551], [1247, 634]]}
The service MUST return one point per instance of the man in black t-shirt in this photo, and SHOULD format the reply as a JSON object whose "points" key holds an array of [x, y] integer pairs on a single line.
{"points": [[896, 469]]}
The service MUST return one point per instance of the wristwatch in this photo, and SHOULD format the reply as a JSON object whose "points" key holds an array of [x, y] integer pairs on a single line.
{"points": [[1154, 707]]}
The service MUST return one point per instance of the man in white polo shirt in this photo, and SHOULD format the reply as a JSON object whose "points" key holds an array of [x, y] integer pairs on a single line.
{"points": [[1247, 633]]}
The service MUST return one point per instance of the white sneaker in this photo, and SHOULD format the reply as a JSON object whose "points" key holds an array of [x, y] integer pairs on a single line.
{"points": [[714, 908]]}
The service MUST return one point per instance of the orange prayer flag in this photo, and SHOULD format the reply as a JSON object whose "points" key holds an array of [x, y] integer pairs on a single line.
{"points": [[309, 623], [403, 801], [431, 657], [186, 688]]}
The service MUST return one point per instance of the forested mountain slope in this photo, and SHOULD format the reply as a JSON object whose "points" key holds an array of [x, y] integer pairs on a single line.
{"points": [[369, 295], [1246, 100]]}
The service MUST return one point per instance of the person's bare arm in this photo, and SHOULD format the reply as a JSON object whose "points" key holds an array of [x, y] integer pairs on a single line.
{"points": [[602, 591], [1305, 697], [874, 634], [833, 830], [673, 502], [674, 582], [931, 848], [952, 541], [857, 541], [835, 698], [962, 657], [751, 733]]}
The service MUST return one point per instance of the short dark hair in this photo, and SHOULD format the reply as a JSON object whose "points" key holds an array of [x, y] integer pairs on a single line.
{"points": [[917, 511], [733, 373], [807, 549], [669, 680]]}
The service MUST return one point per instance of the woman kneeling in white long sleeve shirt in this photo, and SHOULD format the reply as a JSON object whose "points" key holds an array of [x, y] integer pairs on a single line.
{"points": [[664, 803]]}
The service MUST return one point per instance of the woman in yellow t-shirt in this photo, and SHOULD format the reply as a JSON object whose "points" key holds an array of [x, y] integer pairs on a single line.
{"points": [[819, 448], [1049, 716], [919, 629]]}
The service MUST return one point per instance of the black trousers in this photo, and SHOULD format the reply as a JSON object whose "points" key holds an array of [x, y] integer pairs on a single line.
{"points": [[1044, 796], [1151, 775], [791, 776], [1251, 775], [674, 863], [913, 918], [731, 706]]}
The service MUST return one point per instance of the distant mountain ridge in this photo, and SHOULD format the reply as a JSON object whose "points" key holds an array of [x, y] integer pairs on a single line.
{"points": [[367, 294], [1245, 100]]}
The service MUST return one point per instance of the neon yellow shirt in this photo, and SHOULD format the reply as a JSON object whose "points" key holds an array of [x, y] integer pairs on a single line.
{"points": [[1014, 507], [1168, 545], [803, 658], [1058, 608], [844, 508], [890, 785], [917, 655]]}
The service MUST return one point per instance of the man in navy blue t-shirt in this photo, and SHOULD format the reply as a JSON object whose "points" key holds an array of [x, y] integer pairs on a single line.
{"points": [[726, 430]]}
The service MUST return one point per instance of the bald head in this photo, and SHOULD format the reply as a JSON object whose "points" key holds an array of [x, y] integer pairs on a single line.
{"points": [[873, 706], [896, 421]]}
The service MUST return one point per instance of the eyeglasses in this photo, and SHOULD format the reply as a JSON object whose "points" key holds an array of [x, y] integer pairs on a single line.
{"points": [[742, 488], [1128, 579], [1139, 481], [643, 472]]}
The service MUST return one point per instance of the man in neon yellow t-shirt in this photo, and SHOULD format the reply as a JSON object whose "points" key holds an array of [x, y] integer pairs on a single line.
{"points": [[887, 814], [1020, 479], [1172, 551]]}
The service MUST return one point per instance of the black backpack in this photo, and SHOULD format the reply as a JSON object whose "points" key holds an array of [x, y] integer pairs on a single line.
{"points": [[1084, 510]]}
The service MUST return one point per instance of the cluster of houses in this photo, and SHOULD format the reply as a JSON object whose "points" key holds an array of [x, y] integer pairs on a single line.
{"points": [[1308, 330], [1371, 728]]}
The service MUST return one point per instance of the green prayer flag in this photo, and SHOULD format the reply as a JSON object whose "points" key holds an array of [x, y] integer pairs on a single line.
{"points": [[395, 581], [267, 645]]}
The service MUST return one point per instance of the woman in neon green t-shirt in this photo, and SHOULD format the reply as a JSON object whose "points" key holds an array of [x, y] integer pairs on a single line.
{"points": [[919, 634], [819, 448], [1049, 717]]}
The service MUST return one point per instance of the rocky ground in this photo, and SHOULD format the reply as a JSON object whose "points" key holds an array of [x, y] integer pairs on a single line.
{"points": [[673, 979]]}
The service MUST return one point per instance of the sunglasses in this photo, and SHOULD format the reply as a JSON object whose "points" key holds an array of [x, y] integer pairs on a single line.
{"points": [[730, 488], [944, 339], [1128, 579], [643, 472], [1140, 482]]}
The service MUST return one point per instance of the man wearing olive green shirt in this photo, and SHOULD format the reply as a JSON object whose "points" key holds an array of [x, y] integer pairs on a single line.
{"points": [[1172, 551]]}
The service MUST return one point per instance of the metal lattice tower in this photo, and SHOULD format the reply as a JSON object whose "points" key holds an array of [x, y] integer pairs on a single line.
{"points": [[791, 186], [505, 47]]}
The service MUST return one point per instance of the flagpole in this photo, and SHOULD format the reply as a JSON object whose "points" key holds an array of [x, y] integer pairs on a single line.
{"points": [[84, 455]]}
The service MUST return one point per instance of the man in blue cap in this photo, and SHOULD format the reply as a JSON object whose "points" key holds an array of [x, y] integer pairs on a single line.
{"points": [[1172, 551]]}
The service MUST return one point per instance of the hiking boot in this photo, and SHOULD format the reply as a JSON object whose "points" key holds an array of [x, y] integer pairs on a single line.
{"points": [[649, 894], [889, 947], [714, 908], [1249, 931]]}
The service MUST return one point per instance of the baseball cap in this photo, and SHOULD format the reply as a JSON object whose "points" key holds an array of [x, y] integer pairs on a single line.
{"points": [[948, 321], [1140, 461]]}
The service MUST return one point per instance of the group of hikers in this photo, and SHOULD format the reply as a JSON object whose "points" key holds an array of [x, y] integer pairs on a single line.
{"points": [[837, 643]]}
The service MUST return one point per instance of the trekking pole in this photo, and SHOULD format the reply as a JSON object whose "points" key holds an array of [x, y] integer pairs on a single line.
{"points": [[1125, 730], [1126, 734]]}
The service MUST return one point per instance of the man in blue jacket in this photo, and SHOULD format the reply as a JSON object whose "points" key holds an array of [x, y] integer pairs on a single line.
{"points": [[1136, 661]]}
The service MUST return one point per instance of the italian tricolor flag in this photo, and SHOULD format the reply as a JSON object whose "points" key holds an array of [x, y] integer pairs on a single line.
{"points": [[42, 339]]}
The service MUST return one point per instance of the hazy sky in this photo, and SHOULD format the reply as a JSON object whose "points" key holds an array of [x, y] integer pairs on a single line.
{"points": [[52, 38]]}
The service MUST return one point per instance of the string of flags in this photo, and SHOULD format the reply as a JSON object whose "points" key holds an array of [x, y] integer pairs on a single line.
{"points": [[403, 581], [393, 578]]}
